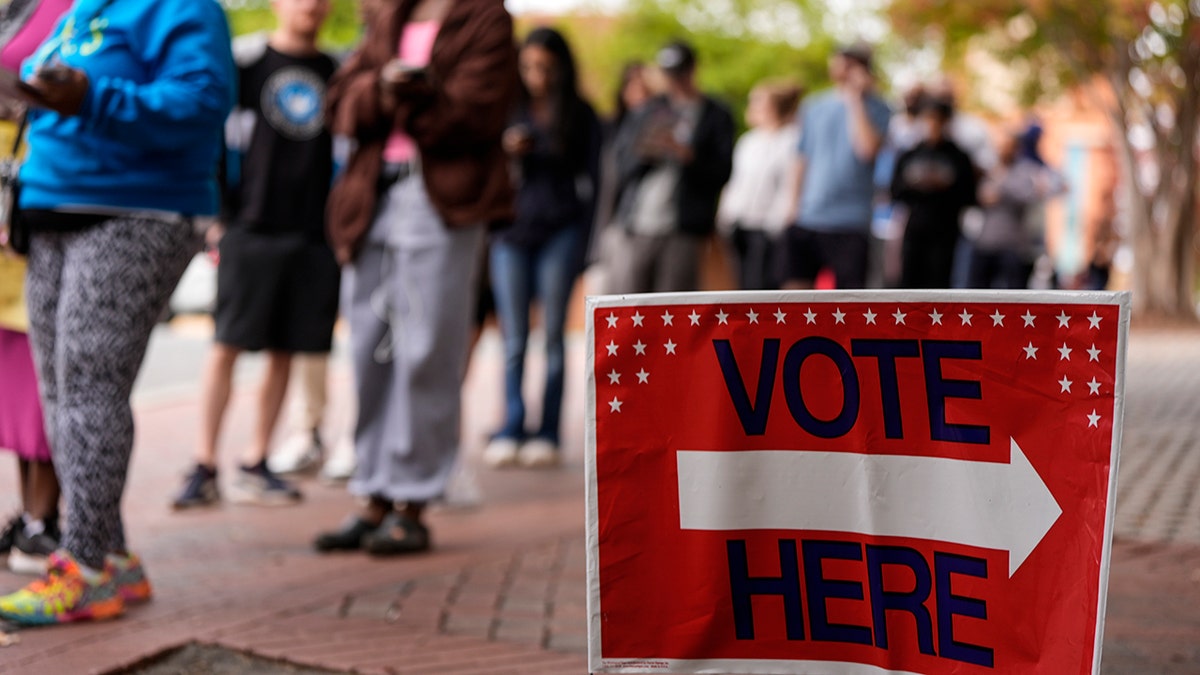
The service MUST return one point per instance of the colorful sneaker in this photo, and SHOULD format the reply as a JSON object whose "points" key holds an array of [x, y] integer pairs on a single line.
{"points": [[300, 453], [199, 489], [32, 547], [130, 577], [64, 595], [257, 485]]}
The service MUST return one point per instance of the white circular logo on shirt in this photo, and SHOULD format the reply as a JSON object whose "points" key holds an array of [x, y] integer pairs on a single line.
{"points": [[293, 103]]}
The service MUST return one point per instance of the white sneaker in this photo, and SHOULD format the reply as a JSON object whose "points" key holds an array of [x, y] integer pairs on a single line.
{"points": [[341, 463], [501, 452], [539, 453], [299, 453]]}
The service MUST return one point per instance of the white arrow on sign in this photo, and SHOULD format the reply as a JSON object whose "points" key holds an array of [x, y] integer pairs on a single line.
{"points": [[1003, 507]]}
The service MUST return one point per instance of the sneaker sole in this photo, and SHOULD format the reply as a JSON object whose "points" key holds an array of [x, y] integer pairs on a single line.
{"points": [[98, 611], [136, 594], [243, 498], [21, 562], [306, 468]]}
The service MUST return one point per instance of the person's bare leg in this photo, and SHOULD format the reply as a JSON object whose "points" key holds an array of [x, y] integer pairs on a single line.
{"points": [[23, 470], [217, 383], [40, 491], [270, 403]]}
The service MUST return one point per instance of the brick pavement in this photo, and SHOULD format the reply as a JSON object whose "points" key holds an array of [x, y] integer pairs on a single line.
{"points": [[504, 591]]}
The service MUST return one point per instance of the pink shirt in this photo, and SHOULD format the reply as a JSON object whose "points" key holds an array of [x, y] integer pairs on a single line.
{"points": [[30, 36], [416, 45]]}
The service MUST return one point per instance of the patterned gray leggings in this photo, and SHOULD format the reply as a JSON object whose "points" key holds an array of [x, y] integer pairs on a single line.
{"points": [[94, 297]]}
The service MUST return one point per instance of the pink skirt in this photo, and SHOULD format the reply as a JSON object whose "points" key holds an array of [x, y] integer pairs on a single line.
{"points": [[22, 428]]}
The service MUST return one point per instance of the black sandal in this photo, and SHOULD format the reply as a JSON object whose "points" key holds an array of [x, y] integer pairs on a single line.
{"points": [[383, 541], [348, 537]]}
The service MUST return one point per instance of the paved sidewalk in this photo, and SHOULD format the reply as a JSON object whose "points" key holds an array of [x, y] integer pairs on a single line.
{"points": [[504, 590]]}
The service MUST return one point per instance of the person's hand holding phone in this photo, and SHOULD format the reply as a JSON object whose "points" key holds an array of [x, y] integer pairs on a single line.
{"points": [[58, 87], [397, 80], [517, 140]]}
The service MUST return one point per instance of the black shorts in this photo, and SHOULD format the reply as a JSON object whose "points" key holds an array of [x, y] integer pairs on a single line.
{"points": [[808, 252], [276, 293]]}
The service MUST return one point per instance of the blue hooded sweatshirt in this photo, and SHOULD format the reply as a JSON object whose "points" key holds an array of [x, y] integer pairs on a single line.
{"points": [[148, 137]]}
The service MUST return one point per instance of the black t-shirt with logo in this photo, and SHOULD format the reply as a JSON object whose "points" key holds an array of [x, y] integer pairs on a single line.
{"points": [[281, 157]]}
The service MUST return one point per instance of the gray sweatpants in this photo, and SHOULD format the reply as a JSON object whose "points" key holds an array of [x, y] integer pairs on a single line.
{"points": [[639, 263], [409, 299], [94, 297]]}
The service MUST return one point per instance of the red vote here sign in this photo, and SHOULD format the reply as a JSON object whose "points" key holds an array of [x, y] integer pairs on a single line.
{"points": [[852, 482]]}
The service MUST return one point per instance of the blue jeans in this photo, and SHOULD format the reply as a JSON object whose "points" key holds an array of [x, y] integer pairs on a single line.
{"points": [[520, 274]]}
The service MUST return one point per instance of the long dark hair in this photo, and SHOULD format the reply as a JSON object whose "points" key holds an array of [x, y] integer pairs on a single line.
{"points": [[569, 112]]}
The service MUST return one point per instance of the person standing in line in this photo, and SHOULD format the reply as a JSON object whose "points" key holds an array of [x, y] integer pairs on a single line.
{"points": [[755, 205], [1002, 255], [674, 156], [833, 188], [936, 182], [554, 142], [129, 98], [33, 534], [632, 92], [427, 98], [277, 280], [304, 449]]}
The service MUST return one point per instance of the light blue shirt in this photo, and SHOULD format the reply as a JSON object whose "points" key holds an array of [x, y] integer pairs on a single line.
{"points": [[839, 188]]}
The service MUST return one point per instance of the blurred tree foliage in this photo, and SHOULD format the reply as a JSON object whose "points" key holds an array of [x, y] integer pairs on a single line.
{"points": [[739, 44], [342, 28], [1141, 61]]}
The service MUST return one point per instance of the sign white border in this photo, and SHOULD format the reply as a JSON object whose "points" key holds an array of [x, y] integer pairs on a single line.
{"points": [[596, 661]]}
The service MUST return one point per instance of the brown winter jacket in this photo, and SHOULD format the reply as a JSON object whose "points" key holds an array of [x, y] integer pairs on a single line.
{"points": [[456, 118]]}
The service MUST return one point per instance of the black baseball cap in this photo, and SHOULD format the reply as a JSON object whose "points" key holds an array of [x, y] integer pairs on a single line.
{"points": [[676, 58]]}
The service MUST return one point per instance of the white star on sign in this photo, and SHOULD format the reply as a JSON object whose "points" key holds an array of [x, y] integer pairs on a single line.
{"points": [[722, 318], [780, 317], [637, 319], [997, 319], [643, 376], [612, 320], [1066, 352], [839, 316], [695, 318], [612, 349], [1094, 319], [670, 347], [753, 316], [1030, 352], [1093, 354], [1093, 419], [899, 317], [614, 377], [936, 317], [810, 316], [1029, 318], [1065, 384], [640, 348], [870, 316], [1064, 321], [667, 319], [614, 406], [966, 318], [1094, 386]]}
